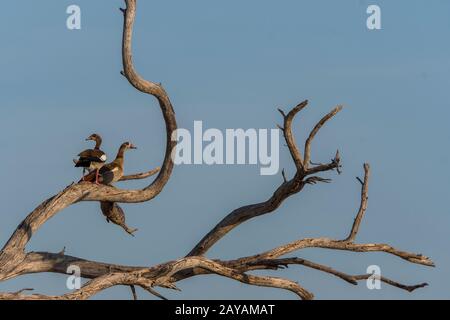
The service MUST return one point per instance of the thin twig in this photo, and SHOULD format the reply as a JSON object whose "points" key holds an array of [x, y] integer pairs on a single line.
{"points": [[133, 291]]}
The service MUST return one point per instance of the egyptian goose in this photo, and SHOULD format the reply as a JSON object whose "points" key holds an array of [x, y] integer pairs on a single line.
{"points": [[111, 172], [92, 159], [115, 214]]}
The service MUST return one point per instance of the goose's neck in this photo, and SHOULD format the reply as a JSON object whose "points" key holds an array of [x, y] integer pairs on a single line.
{"points": [[98, 143], [120, 155]]}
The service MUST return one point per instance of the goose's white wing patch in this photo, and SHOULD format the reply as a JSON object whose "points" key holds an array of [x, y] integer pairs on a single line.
{"points": [[114, 169]]}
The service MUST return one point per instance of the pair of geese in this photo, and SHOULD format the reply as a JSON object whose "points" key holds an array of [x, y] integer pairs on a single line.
{"points": [[94, 160]]}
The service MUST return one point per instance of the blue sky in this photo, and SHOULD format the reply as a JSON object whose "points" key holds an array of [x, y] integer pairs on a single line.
{"points": [[231, 64]]}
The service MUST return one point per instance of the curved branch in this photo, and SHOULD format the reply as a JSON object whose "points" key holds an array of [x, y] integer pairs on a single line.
{"points": [[88, 290], [167, 274], [363, 204], [352, 279], [160, 94], [346, 244], [164, 279], [215, 267], [315, 130], [326, 243], [13, 252], [241, 215], [142, 175], [289, 137], [284, 191]]}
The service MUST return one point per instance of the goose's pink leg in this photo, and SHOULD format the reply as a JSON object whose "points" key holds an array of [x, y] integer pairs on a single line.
{"points": [[96, 176]]}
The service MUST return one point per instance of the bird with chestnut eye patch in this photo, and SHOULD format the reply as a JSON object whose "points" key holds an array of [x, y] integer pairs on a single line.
{"points": [[115, 214], [111, 172], [92, 159]]}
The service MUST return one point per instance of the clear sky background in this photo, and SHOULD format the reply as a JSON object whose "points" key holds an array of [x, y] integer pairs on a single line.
{"points": [[230, 64]]}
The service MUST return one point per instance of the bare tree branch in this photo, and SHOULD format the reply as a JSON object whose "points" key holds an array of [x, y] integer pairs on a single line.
{"points": [[153, 292], [326, 243], [313, 133], [139, 176], [133, 292], [363, 205], [136, 176], [287, 189], [164, 280], [290, 140], [13, 252], [352, 279]]}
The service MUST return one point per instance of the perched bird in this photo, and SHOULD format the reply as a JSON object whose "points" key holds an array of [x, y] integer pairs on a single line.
{"points": [[111, 172], [92, 159], [115, 214]]}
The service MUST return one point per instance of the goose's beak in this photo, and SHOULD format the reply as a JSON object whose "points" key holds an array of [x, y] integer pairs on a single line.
{"points": [[132, 146]]}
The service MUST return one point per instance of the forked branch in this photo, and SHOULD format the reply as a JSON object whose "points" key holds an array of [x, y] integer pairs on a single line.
{"points": [[284, 191], [15, 261]]}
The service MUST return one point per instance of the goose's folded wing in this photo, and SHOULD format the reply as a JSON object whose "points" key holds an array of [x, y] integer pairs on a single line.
{"points": [[105, 171], [92, 155], [108, 173]]}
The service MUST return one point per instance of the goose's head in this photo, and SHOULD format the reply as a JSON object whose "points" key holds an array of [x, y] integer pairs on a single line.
{"points": [[94, 137], [127, 146]]}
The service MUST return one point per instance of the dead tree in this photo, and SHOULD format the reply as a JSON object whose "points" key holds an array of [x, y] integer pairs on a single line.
{"points": [[15, 261]]}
